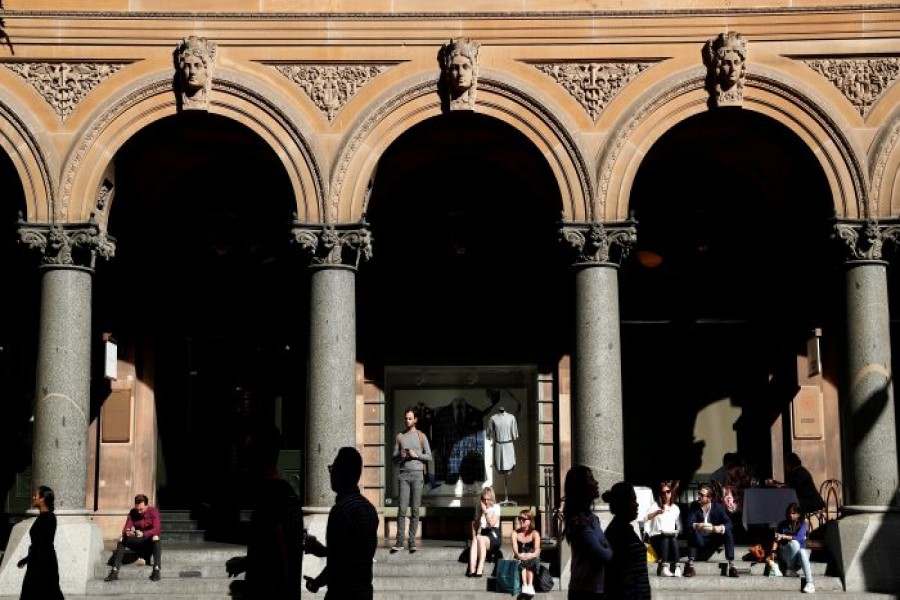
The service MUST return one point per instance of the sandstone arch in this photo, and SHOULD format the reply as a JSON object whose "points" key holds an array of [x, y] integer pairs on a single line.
{"points": [[766, 92], [251, 103], [417, 101], [19, 140]]}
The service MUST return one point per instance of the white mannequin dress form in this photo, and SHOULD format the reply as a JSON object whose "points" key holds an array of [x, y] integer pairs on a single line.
{"points": [[503, 430]]}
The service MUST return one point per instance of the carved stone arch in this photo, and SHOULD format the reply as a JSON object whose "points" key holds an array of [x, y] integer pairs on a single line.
{"points": [[884, 168], [765, 92], [418, 101], [250, 102], [19, 140]]}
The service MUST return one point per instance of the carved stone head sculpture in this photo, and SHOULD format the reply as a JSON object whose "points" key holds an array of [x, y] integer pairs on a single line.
{"points": [[725, 58], [458, 60], [195, 59]]}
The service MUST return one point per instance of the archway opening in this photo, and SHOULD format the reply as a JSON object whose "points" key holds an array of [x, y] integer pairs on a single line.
{"points": [[466, 270], [207, 303], [19, 311], [733, 273]]}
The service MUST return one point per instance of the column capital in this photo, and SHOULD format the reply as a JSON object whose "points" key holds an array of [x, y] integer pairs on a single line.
{"points": [[600, 243], [864, 239], [333, 245], [67, 244]]}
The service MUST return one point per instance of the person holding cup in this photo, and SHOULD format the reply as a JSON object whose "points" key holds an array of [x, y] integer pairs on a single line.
{"points": [[709, 527]]}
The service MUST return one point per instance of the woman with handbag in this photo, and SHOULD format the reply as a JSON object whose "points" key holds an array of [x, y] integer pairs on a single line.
{"points": [[485, 532], [526, 547]]}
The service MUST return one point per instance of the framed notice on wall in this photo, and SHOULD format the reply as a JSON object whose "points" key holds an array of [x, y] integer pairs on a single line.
{"points": [[807, 414]]}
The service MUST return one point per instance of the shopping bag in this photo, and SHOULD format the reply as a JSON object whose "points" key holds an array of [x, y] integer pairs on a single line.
{"points": [[651, 553], [544, 580], [508, 573]]}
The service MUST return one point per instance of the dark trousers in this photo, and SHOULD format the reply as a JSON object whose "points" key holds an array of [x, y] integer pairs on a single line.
{"points": [[142, 546], [705, 545], [666, 547]]}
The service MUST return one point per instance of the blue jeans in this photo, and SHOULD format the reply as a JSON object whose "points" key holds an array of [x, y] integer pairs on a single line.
{"points": [[410, 497], [792, 554]]}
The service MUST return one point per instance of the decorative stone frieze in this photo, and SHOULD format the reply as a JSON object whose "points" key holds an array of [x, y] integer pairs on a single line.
{"points": [[330, 245], [725, 58], [593, 84], [458, 60], [70, 244], [600, 243], [863, 240], [63, 85], [330, 87], [861, 80], [195, 64]]}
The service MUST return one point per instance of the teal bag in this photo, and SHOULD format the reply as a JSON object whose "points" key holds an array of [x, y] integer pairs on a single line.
{"points": [[508, 573]]}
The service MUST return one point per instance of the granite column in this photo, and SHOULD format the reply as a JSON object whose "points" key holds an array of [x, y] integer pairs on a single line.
{"points": [[597, 438]]}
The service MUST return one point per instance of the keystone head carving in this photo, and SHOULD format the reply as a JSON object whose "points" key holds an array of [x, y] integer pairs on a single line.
{"points": [[458, 60], [195, 59], [725, 57]]}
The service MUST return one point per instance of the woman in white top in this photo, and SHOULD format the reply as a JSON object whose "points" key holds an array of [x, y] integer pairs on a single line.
{"points": [[485, 532], [662, 525]]}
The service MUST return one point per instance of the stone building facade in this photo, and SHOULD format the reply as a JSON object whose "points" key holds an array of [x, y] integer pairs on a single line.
{"points": [[662, 232]]}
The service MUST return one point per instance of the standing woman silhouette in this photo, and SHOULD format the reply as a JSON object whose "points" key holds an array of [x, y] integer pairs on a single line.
{"points": [[42, 577]]}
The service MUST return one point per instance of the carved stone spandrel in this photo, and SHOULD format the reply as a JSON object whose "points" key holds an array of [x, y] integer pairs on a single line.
{"points": [[63, 85], [593, 84], [861, 80], [330, 87]]}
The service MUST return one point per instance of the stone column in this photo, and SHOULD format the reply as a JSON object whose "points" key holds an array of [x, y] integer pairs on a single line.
{"points": [[870, 527], [331, 394], [62, 397], [597, 440]]}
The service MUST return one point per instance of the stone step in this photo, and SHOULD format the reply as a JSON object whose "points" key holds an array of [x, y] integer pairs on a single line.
{"points": [[197, 572]]}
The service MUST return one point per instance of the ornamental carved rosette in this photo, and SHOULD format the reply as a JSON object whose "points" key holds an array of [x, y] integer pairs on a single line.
{"points": [[330, 245], [599, 243], [67, 245]]}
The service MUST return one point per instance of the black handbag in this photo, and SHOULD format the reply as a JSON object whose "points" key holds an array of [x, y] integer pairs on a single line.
{"points": [[544, 580]]}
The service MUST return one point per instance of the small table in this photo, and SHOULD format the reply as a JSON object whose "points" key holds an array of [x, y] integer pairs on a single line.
{"points": [[766, 506]]}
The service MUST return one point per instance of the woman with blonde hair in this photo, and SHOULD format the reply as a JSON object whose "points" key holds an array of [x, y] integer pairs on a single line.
{"points": [[485, 532], [526, 547]]}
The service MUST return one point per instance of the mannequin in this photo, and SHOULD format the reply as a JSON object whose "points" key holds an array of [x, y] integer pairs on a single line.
{"points": [[504, 431]]}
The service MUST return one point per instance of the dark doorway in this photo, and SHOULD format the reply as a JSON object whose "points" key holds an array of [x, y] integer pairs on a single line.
{"points": [[466, 265], [734, 268], [19, 311], [206, 294]]}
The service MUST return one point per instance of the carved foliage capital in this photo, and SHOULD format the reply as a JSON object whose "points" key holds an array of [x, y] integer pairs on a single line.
{"points": [[599, 243], [864, 240], [76, 244], [331, 246]]}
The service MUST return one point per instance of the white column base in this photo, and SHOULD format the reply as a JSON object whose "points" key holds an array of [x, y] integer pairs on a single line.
{"points": [[79, 546], [865, 548]]}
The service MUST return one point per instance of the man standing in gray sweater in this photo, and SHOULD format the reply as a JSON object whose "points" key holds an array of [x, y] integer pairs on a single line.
{"points": [[411, 453]]}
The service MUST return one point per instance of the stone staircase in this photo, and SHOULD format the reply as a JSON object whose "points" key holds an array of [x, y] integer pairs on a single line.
{"points": [[196, 571]]}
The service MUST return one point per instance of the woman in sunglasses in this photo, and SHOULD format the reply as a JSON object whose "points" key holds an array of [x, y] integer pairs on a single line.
{"points": [[526, 546], [662, 525]]}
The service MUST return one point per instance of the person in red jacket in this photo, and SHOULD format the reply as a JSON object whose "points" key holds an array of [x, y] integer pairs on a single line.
{"points": [[141, 533]]}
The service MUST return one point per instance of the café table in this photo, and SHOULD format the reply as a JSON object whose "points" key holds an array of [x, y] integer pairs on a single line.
{"points": [[766, 506]]}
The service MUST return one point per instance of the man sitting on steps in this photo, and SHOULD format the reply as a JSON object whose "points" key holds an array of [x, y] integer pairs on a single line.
{"points": [[709, 526], [141, 534]]}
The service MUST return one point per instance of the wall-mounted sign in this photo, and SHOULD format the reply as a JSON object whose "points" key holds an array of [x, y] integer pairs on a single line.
{"points": [[111, 362], [807, 414]]}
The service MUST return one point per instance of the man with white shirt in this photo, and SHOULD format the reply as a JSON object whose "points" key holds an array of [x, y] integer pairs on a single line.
{"points": [[709, 526]]}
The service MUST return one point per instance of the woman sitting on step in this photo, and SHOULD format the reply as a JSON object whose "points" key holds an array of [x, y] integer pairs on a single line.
{"points": [[526, 547]]}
